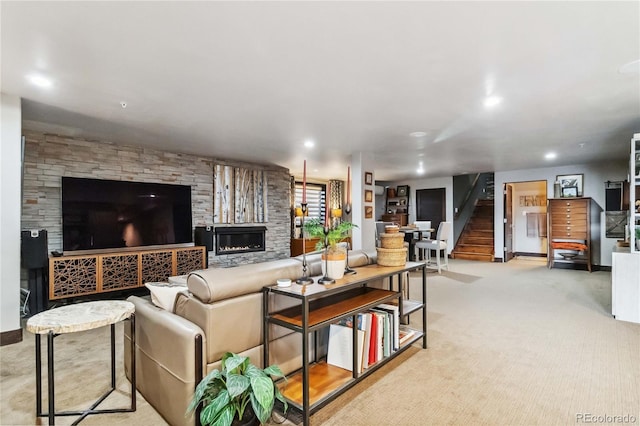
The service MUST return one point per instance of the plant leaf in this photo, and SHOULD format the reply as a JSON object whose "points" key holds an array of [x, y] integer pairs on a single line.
{"points": [[281, 398], [233, 362], [262, 413], [226, 417], [237, 384], [262, 387], [253, 371], [215, 407], [202, 388], [273, 370]]}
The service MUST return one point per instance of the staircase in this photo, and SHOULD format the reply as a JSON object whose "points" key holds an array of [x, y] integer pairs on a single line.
{"points": [[476, 239]]}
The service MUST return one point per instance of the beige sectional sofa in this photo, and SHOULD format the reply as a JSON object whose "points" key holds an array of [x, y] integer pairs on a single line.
{"points": [[220, 311]]}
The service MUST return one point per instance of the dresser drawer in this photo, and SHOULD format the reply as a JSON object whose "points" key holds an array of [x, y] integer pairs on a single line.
{"points": [[569, 210], [570, 234], [569, 203], [560, 218]]}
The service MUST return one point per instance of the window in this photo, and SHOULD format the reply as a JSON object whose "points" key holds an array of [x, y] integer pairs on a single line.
{"points": [[315, 199]]}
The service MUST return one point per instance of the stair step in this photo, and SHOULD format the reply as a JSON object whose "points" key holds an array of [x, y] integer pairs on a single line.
{"points": [[474, 248], [472, 256], [480, 241], [485, 233]]}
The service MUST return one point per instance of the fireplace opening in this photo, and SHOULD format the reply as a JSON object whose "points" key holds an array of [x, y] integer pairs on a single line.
{"points": [[239, 239]]}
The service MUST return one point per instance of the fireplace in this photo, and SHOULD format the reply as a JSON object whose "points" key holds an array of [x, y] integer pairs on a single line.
{"points": [[239, 239]]}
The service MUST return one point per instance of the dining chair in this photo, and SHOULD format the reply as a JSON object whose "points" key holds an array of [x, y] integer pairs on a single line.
{"points": [[380, 229], [439, 244], [423, 233]]}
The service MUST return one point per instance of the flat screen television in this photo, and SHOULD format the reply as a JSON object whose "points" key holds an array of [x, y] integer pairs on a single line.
{"points": [[107, 214]]}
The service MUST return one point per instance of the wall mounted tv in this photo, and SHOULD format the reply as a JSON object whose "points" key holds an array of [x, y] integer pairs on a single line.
{"points": [[108, 214]]}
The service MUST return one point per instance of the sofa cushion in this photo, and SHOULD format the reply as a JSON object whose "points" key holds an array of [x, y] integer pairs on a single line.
{"points": [[214, 284]]}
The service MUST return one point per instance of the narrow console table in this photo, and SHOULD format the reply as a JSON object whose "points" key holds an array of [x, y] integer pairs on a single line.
{"points": [[317, 307], [71, 276], [71, 319]]}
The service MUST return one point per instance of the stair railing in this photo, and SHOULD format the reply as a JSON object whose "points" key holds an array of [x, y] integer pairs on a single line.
{"points": [[472, 187]]}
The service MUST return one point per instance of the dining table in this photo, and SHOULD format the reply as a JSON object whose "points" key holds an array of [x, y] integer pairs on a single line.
{"points": [[409, 233]]}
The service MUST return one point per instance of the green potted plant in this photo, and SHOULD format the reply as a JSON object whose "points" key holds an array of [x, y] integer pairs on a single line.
{"points": [[336, 255], [638, 237], [236, 389]]}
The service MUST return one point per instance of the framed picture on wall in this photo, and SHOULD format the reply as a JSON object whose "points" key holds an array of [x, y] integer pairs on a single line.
{"points": [[567, 181], [368, 212], [368, 178], [403, 190], [368, 196]]}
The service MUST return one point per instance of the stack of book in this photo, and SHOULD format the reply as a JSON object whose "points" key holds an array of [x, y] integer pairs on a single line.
{"points": [[379, 335]]}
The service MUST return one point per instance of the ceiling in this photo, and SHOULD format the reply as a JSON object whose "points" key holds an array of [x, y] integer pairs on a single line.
{"points": [[253, 81]]}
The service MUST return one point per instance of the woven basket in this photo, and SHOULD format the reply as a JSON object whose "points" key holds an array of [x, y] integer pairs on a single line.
{"points": [[392, 241], [390, 229], [392, 257]]}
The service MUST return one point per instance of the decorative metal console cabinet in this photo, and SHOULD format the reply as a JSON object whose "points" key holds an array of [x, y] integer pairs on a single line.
{"points": [[71, 276]]}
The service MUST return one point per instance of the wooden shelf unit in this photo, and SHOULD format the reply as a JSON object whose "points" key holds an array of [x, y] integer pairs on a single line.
{"points": [[396, 207], [72, 276], [318, 382]]}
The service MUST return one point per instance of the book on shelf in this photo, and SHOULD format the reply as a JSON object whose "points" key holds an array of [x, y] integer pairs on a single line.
{"points": [[366, 324], [373, 340], [395, 323], [405, 333], [385, 344], [340, 350]]}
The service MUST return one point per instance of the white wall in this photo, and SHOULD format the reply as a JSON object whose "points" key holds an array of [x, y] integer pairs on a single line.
{"points": [[364, 237], [430, 183], [595, 175], [10, 192]]}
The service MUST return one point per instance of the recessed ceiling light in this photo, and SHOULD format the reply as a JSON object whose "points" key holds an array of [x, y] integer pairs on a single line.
{"points": [[581, 144], [492, 101], [417, 134], [550, 155], [420, 168], [632, 67], [40, 80], [309, 143]]}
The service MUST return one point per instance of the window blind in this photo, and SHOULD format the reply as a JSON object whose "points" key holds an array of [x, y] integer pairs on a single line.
{"points": [[315, 199]]}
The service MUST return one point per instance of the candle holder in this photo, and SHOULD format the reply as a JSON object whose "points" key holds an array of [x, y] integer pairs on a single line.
{"points": [[347, 269], [304, 279], [326, 279]]}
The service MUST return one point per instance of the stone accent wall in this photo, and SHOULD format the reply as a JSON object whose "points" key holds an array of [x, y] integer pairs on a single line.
{"points": [[49, 157]]}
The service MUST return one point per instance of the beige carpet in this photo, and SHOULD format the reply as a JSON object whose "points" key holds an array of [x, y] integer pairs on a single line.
{"points": [[509, 344]]}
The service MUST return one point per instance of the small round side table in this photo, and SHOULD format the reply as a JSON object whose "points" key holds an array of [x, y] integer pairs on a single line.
{"points": [[71, 319]]}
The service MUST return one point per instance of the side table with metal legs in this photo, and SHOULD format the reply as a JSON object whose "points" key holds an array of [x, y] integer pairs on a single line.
{"points": [[74, 318]]}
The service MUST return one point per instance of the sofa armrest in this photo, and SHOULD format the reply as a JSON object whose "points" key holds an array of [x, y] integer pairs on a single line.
{"points": [[169, 359]]}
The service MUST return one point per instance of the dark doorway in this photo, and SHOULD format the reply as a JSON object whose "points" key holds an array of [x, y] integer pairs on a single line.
{"points": [[431, 205]]}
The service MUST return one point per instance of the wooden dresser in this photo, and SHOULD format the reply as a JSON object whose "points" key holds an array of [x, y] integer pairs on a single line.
{"points": [[569, 231]]}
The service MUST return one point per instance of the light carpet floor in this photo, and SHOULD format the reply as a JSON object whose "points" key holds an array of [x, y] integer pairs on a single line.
{"points": [[509, 344]]}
